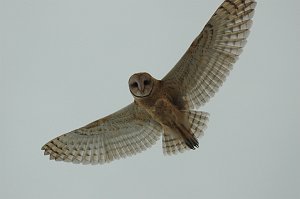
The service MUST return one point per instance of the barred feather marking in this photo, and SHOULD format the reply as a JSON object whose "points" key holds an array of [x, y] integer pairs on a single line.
{"points": [[206, 64], [106, 139]]}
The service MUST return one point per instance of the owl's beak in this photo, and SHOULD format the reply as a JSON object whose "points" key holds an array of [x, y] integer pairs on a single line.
{"points": [[141, 87]]}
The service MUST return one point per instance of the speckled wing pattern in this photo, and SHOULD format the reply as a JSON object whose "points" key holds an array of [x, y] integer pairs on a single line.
{"points": [[121, 134], [209, 59]]}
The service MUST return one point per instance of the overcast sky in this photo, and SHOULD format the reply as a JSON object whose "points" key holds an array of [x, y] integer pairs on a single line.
{"points": [[64, 64]]}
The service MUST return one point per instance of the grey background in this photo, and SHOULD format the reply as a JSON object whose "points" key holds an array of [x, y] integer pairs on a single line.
{"points": [[66, 63]]}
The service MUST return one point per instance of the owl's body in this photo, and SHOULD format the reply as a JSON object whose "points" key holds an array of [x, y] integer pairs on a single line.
{"points": [[167, 106], [170, 110], [160, 104]]}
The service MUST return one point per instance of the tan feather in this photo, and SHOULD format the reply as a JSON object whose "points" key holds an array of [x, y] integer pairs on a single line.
{"points": [[124, 133], [208, 61]]}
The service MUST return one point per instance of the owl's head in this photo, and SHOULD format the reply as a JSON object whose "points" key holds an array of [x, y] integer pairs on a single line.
{"points": [[141, 84]]}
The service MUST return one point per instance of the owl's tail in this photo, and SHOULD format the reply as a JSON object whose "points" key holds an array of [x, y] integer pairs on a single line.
{"points": [[198, 123]]}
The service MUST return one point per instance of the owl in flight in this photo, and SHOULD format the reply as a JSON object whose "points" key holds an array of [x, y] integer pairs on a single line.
{"points": [[166, 107]]}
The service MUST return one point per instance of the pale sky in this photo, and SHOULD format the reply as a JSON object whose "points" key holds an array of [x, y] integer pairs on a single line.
{"points": [[64, 64]]}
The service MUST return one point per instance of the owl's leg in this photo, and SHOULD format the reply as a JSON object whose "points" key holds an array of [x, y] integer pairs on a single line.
{"points": [[188, 137], [174, 142], [179, 123], [193, 128], [178, 137]]}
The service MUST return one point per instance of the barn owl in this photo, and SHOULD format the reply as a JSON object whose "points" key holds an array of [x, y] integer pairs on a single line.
{"points": [[166, 107]]}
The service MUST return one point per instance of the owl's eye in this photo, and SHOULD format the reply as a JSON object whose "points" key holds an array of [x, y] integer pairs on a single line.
{"points": [[146, 82], [134, 85]]}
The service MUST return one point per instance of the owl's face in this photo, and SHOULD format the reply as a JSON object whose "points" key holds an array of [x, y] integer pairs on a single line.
{"points": [[141, 84]]}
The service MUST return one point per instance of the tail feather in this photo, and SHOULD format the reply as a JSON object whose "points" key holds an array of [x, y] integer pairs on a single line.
{"points": [[172, 144], [198, 121]]}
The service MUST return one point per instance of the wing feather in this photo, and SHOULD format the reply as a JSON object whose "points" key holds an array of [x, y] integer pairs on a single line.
{"points": [[208, 61], [124, 133]]}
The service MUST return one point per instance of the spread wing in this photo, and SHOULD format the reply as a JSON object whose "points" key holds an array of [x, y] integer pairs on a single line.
{"points": [[121, 134], [209, 59]]}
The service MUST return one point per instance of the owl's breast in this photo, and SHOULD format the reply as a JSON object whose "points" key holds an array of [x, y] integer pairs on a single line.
{"points": [[162, 111]]}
